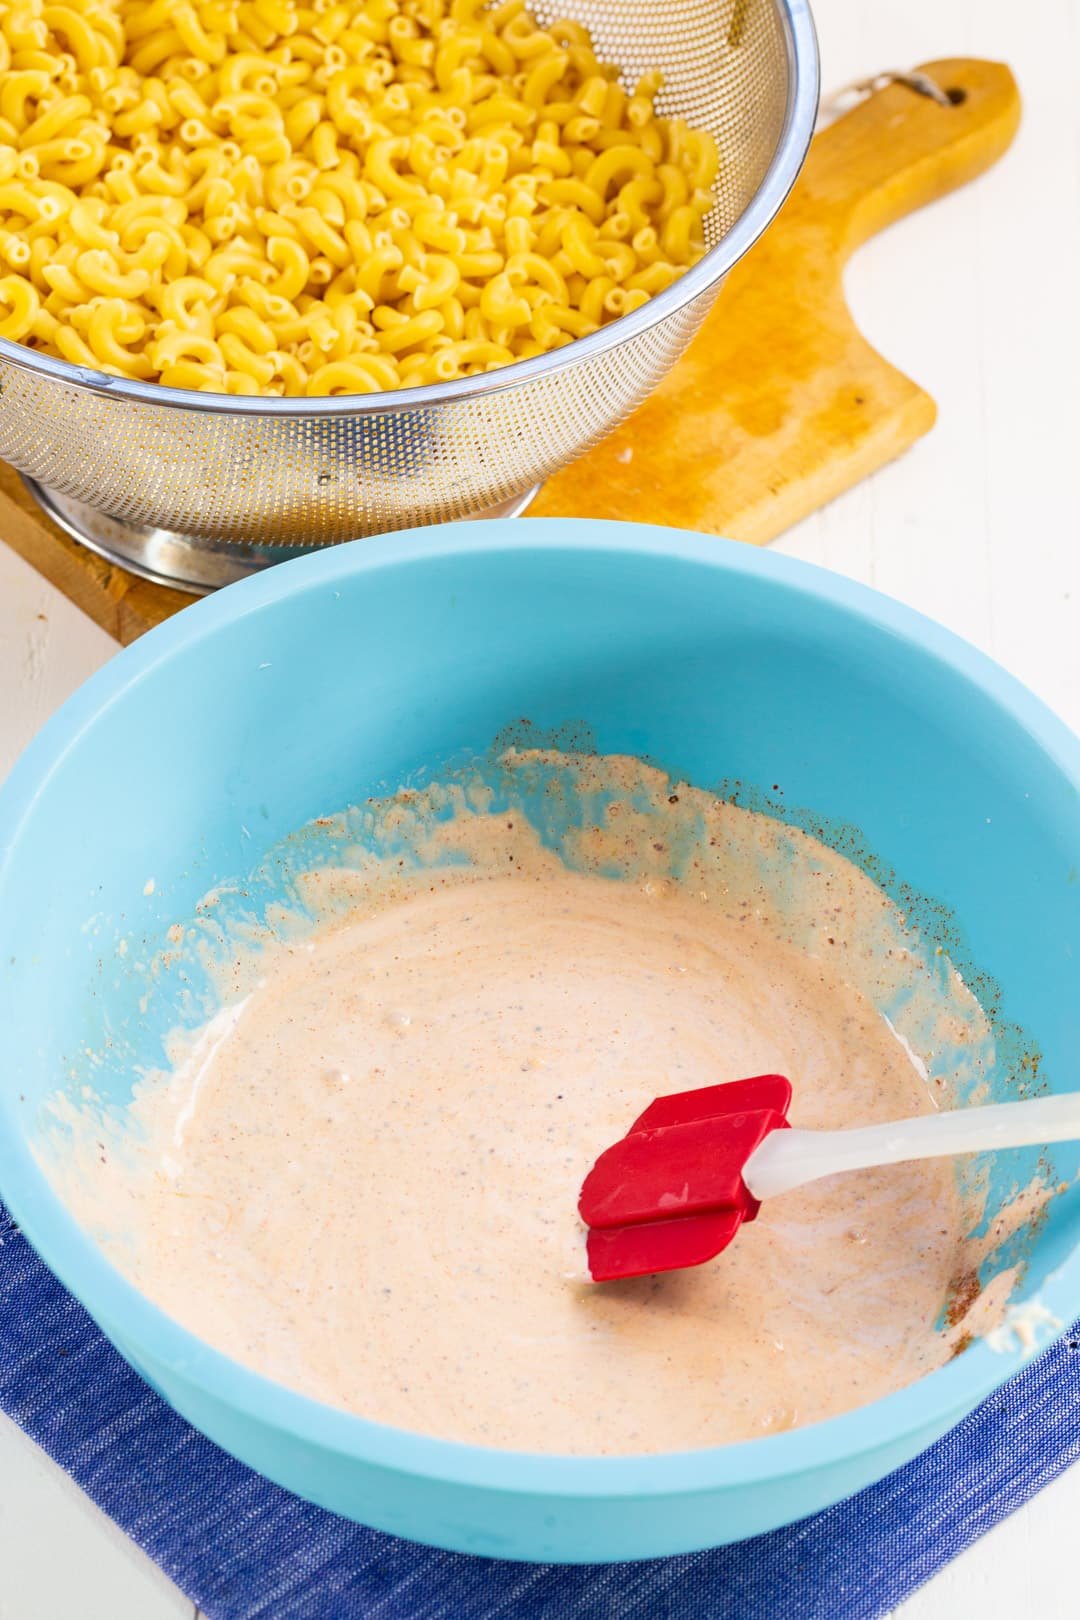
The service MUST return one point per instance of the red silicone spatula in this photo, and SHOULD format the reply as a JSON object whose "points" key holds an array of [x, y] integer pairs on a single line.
{"points": [[694, 1166]]}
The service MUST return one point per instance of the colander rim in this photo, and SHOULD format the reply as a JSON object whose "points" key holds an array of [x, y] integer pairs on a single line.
{"points": [[800, 115]]}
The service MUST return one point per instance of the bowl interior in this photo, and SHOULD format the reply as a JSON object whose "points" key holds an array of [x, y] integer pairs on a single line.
{"points": [[346, 674]]}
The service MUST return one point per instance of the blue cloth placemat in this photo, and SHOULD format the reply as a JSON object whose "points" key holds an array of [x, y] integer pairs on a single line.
{"points": [[246, 1550]]}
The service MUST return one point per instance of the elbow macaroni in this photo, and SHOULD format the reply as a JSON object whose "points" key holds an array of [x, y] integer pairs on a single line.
{"points": [[337, 197]]}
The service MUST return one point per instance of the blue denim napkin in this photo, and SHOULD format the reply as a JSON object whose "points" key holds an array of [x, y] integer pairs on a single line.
{"points": [[246, 1550]]}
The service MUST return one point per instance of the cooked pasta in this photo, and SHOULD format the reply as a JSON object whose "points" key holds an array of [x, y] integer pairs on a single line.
{"points": [[337, 197]]}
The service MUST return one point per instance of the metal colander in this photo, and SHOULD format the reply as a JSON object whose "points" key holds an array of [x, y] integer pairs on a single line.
{"points": [[198, 488]]}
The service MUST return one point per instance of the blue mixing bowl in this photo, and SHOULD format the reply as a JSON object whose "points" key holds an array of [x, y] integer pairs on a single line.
{"points": [[343, 674]]}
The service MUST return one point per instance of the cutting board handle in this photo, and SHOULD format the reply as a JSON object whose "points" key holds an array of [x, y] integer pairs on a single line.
{"points": [[899, 150], [780, 403]]}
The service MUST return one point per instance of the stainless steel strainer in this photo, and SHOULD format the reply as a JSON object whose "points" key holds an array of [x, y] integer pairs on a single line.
{"points": [[196, 489]]}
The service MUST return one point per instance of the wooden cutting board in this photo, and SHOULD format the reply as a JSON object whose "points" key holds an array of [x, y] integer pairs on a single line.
{"points": [[779, 404]]}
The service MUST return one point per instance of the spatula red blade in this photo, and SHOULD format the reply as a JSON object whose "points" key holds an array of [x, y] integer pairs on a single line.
{"points": [[651, 1246], [762, 1091], [670, 1193], [693, 1168]]}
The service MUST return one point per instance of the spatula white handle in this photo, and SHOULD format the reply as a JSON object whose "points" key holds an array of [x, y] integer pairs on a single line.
{"points": [[788, 1159]]}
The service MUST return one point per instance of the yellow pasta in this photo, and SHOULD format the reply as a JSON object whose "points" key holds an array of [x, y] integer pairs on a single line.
{"points": [[316, 197], [19, 304]]}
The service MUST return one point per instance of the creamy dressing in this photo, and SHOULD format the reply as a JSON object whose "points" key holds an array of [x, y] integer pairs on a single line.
{"points": [[361, 1178]]}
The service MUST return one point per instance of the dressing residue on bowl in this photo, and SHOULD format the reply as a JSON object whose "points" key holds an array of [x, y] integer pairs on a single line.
{"points": [[358, 1171]]}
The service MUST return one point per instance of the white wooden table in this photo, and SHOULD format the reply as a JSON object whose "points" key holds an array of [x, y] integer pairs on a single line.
{"points": [[977, 299]]}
